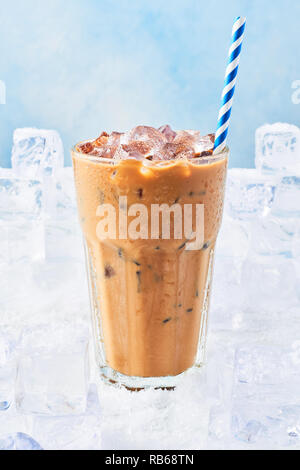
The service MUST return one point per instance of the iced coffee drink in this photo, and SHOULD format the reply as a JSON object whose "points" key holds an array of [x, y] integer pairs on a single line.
{"points": [[149, 291]]}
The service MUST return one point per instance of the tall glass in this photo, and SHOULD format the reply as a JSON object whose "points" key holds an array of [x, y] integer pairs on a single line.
{"points": [[149, 297]]}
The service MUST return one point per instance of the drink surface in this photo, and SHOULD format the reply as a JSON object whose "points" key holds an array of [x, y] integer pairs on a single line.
{"points": [[150, 296], [148, 143]]}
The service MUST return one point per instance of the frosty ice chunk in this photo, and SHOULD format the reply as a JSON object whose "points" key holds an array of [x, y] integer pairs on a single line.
{"points": [[18, 441], [147, 143], [287, 197], [220, 378], [20, 197], [232, 250], [12, 422], [262, 366], [37, 153], [204, 144], [7, 368], [65, 193], [135, 150], [60, 197], [139, 142], [272, 236], [269, 286], [146, 134], [21, 229], [266, 407], [187, 144], [62, 231], [168, 132], [68, 432], [156, 421], [249, 194], [21, 239], [7, 173], [201, 145], [62, 351], [109, 147], [172, 150], [63, 239], [277, 148]]}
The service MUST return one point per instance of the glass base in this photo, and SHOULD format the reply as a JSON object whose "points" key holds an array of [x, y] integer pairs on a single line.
{"points": [[112, 377]]}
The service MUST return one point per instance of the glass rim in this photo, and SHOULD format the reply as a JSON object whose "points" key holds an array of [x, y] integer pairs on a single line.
{"points": [[205, 160]]}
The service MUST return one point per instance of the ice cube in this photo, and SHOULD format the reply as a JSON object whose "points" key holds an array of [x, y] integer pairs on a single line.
{"points": [[21, 227], [204, 144], [175, 150], [168, 132], [36, 152], [187, 136], [220, 377], [266, 411], [12, 422], [60, 195], [18, 289], [187, 423], [262, 366], [157, 419], [62, 351], [277, 148], [193, 139], [287, 197], [7, 367], [20, 197], [112, 145], [234, 239], [12, 275], [58, 288], [72, 432], [185, 139], [250, 432], [7, 173], [248, 194], [136, 150], [54, 276], [269, 287], [68, 432], [139, 142], [272, 236], [227, 285], [21, 240], [18, 441], [145, 134], [231, 252], [63, 240]]}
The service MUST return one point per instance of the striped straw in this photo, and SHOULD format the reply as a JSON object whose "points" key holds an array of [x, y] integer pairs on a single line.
{"points": [[229, 84]]}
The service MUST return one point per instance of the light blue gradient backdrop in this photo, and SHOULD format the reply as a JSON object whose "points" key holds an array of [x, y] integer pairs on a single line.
{"points": [[82, 66]]}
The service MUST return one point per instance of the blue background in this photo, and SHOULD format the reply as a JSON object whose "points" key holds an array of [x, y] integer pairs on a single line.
{"points": [[83, 66]]}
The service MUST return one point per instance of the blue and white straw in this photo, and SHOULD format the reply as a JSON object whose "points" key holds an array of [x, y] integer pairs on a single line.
{"points": [[229, 84]]}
